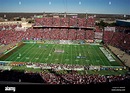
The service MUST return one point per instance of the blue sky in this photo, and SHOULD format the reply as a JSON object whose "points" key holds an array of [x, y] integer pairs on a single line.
{"points": [[70, 6]]}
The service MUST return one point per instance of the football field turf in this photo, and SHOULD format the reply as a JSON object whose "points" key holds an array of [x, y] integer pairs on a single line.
{"points": [[62, 54]]}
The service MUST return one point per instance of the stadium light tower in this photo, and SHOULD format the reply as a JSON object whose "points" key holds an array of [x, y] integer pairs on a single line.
{"points": [[86, 15], [49, 2], [79, 2], [44, 14], [4, 15], [20, 3], [124, 16], [65, 14], [109, 2]]}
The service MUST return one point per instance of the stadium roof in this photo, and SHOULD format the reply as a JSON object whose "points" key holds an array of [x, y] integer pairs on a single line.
{"points": [[124, 20], [123, 23], [70, 27]]}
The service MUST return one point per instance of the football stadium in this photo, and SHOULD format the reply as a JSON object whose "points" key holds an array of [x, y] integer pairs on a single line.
{"points": [[63, 44], [64, 48]]}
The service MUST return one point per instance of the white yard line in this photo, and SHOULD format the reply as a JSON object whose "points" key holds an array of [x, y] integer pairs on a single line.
{"points": [[99, 56], [91, 61], [37, 52], [54, 45], [84, 54], [42, 53], [63, 54], [71, 54], [15, 55], [25, 52], [34, 53], [75, 47]]}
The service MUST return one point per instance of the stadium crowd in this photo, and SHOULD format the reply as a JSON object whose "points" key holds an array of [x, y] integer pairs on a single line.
{"points": [[11, 36], [119, 39], [69, 74], [75, 78], [75, 22], [52, 77]]}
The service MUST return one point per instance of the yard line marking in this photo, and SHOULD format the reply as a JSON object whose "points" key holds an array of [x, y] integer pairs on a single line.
{"points": [[98, 56], [68, 47], [94, 53], [15, 53], [13, 56], [62, 57], [88, 54], [71, 54], [33, 45], [53, 47], [83, 53], [75, 53], [42, 54], [36, 53], [104, 57]]}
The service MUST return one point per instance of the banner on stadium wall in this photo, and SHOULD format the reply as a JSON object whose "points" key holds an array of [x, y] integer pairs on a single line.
{"points": [[20, 29], [55, 16], [109, 29], [5, 67], [98, 41], [94, 68], [40, 16], [90, 16], [74, 16], [89, 41], [99, 35], [112, 68]]}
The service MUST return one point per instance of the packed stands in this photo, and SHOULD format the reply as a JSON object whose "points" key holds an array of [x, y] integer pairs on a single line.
{"points": [[65, 21], [115, 38], [56, 77], [118, 38], [9, 33]]}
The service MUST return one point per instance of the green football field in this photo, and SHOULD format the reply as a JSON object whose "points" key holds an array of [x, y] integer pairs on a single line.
{"points": [[62, 54]]}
